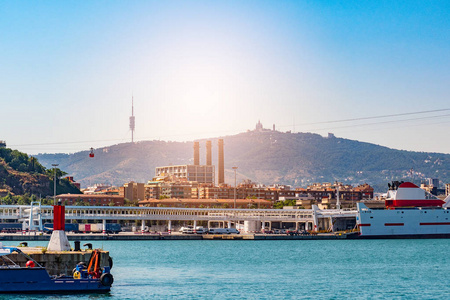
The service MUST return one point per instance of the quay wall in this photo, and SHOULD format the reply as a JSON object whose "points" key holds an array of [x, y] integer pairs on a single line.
{"points": [[137, 237]]}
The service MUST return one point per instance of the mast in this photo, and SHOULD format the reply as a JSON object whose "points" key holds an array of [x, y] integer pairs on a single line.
{"points": [[132, 120]]}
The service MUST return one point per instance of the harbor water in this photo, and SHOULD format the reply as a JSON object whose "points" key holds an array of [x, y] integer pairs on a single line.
{"points": [[296, 269]]}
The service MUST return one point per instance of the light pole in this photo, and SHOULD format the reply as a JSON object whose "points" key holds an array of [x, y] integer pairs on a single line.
{"points": [[235, 168], [54, 183]]}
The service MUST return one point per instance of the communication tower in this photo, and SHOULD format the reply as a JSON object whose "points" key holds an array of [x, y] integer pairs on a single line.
{"points": [[132, 121]]}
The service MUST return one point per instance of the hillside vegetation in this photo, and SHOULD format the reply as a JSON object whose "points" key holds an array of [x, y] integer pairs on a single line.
{"points": [[267, 157], [21, 174]]}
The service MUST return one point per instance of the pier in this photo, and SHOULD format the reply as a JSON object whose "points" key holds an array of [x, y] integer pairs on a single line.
{"points": [[252, 220], [166, 236]]}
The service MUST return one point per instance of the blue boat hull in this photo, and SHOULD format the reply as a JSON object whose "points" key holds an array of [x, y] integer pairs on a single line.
{"points": [[37, 280]]}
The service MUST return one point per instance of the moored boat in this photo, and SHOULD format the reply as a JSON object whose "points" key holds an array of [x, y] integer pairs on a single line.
{"points": [[34, 278], [410, 212]]}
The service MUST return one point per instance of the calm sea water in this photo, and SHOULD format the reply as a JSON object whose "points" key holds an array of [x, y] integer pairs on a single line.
{"points": [[355, 269]]}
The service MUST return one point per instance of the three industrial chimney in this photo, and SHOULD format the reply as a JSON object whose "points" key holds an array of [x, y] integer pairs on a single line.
{"points": [[221, 175]]}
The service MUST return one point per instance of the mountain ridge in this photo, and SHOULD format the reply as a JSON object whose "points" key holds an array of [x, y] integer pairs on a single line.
{"points": [[266, 157]]}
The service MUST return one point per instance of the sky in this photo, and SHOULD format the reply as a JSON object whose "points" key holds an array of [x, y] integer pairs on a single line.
{"points": [[373, 71]]}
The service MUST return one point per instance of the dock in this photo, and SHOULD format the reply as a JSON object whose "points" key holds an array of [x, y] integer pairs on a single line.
{"points": [[167, 236]]}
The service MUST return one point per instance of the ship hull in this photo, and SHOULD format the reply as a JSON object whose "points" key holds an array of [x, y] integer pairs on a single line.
{"points": [[37, 280], [404, 236], [403, 222]]}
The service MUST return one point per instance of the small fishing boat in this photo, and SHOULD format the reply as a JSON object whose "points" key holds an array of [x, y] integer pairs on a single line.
{"points": [[34, 278]]}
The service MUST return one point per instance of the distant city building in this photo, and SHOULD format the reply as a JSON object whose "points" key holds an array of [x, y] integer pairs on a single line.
{"points": [[176, 190], [132, 191], [170, 188], [207, 203], [432, 182], [431, 185], [152, 190], [70, 178], [93, 200], [198, 173], [320, 191], [95, 188]]}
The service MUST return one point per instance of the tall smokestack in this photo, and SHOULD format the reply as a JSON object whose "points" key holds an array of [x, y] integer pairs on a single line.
{"points": [[221, 163], [196, 153], [208, 153]]}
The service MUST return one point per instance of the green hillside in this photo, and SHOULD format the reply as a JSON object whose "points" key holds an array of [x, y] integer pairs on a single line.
{"points": [[21, 174]]}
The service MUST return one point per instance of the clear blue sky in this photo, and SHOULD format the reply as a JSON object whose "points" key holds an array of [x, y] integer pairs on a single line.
{"points": [[198, 69]]}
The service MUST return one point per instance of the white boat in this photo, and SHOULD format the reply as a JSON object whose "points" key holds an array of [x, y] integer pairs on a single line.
{"points": [[410, 212]]}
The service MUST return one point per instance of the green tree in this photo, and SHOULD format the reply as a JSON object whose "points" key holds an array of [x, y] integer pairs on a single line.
{"points": [[281, 204], [59, 173]]}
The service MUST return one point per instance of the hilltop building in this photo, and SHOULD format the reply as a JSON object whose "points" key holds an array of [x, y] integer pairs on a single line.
{"points": [[2, 144], [259, 127]]}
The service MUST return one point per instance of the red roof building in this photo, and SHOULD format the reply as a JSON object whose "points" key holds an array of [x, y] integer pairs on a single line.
{"points": [[94, 200]]}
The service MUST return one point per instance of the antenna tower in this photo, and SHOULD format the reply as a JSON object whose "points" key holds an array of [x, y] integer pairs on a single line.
{"points": [[132, 121]]}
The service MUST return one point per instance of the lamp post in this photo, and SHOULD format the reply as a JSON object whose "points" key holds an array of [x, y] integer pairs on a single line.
{"points": [[54, 183], [235, 168]]}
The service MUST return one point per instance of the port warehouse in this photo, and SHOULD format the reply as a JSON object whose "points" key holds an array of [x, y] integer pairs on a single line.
{"points": [[170, 218]]}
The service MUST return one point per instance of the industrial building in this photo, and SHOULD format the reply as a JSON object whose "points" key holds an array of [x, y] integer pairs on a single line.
{"points": [[196, 172]]}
